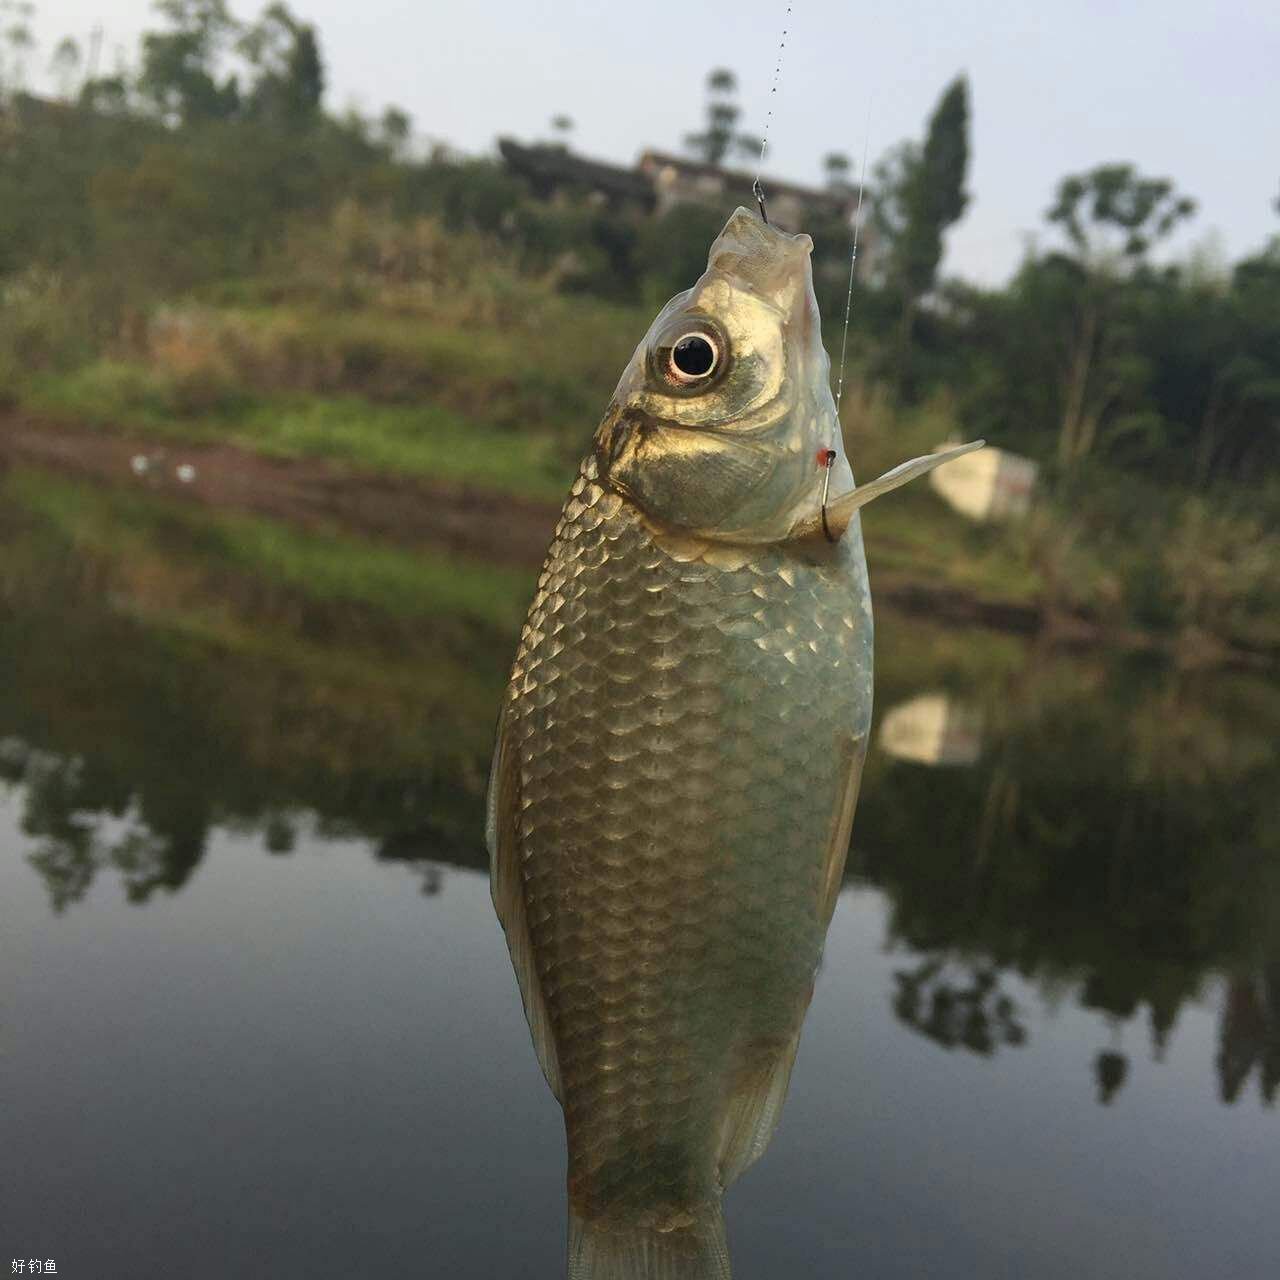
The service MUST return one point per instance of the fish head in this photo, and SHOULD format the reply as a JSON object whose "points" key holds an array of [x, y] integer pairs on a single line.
{"points": [[720, 422]]}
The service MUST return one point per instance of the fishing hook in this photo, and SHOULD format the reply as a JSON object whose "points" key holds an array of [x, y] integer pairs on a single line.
{"points": [[827, 461], [758, 191]]}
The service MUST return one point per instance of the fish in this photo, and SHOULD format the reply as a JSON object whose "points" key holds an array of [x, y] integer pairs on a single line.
{"points": [[678, 757]]}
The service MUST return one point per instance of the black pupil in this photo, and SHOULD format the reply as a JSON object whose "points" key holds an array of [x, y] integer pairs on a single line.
{"points": [[694, 356]]}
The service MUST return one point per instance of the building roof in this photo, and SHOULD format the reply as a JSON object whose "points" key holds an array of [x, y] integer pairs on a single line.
{"points": [[843, 203], [547, 167]]}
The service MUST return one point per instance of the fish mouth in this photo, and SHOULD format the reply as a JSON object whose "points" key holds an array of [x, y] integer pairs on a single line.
{"points": [[747, 236]]}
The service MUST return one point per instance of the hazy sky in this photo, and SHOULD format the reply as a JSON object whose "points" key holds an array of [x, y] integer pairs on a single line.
{"points": [[1189, 91]]}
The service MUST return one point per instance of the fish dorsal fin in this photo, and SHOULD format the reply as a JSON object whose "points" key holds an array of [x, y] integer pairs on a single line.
{"points": [[841, 510], [502, 834]]}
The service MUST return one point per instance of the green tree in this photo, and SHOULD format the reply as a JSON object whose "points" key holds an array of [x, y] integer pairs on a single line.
{"points": [[836, 167], [16, 44], [288, 83], [1112, 216], [179, 76], [394, 129], [1240, 435], [1183, 371], [562, 128], [717, 139], [747, 145], [106, 95], [64, 66], [920, 193]]}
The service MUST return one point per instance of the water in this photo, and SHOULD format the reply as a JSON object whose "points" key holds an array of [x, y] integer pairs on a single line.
{"points": [[258, 1017]]}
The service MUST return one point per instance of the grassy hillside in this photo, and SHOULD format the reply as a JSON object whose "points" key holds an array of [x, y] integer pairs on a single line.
{"points": [[396, 347]]}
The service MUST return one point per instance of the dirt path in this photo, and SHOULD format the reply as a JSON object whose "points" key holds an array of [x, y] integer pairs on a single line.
{"points": [[303, 491]]}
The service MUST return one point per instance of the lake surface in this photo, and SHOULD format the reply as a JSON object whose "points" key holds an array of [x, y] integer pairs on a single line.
{"points": [[257, 1016]]}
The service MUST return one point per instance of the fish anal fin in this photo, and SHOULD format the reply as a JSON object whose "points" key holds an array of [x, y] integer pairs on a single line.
{"points": [[754, 1110], [756, 1104], [853, 751], [502, 833]]}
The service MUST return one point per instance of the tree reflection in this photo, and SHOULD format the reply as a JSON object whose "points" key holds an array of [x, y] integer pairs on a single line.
{"points": [[84, 821], [971, 1013], [1110, 1070], [154, 833], [1249, 1035]]}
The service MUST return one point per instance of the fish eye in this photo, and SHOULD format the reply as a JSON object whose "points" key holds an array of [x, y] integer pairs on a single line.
{"points": [[694, 356]]}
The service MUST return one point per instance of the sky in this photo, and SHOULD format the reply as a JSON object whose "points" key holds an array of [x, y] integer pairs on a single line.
{"points": [[1185, 91]]}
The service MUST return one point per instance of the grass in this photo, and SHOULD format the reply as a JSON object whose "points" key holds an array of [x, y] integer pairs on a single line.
{"points": [[456, 387], [913, 535], [413, 440], [323, 567], [425, 441], [402, 583]]}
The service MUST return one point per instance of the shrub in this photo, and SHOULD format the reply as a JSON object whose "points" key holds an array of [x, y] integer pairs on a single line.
{"points": [[188, 354], [44, 323], [1221, 567]]}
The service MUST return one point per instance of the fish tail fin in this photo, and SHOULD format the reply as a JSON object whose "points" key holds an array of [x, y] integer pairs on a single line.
{"points": [[693, 1250]]}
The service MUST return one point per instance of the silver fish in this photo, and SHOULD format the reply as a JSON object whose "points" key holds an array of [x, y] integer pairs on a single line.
{"points": [[678, 758]]}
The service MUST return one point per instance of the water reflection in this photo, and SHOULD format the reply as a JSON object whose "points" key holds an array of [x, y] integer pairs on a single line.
{"points": [[957, 1006], [1249, 1042], [1108, 833], [1119, 840]]}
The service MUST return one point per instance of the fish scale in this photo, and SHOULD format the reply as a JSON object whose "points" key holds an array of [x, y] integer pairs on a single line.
{"points": [[682, 732]]}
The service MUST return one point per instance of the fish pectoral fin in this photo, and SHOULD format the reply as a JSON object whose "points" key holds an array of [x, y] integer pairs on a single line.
{"points": [[841, 510], [755, 1107], [502, 834]]}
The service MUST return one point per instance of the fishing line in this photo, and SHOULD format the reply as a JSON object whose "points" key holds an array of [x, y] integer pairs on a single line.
{"points": [[828, 458], [853, 259], [756, 189]]}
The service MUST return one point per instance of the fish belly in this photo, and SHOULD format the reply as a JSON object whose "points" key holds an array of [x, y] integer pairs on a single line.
{"points": [[687, 732]]}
